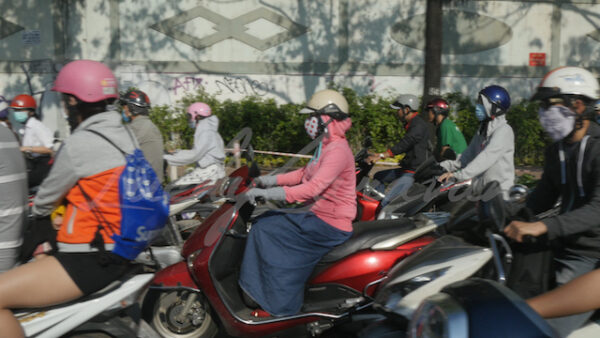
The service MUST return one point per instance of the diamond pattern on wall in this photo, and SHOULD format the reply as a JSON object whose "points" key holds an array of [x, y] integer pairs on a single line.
{"points": [[8, 28], [226, 28]]}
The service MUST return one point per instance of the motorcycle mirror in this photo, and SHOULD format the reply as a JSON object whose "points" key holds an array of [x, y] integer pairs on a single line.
{"points": [[253, 171], [518, 193], [249, 154], [449, 154]]}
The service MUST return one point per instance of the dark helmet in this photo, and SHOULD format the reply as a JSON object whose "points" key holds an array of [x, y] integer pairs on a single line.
{"points": [[136, 98], [499, 98], [439, 106], [137, 101]]}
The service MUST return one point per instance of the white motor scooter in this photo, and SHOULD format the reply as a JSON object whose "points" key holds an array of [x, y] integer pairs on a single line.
{"points": [[104, 305]]}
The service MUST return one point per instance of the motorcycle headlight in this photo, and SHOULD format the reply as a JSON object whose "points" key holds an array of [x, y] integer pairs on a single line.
{"points": [[420, 280], [191, 258], [439, 316], [393, 293]]}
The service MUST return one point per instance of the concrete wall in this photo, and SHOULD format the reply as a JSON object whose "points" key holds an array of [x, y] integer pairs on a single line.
{"points": [[286, 50]]}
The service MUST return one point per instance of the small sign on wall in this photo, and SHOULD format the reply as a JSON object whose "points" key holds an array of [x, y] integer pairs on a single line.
{"points": [[537, 59], [31, 37]]}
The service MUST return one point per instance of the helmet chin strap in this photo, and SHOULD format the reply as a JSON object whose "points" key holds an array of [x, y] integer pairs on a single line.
{"points": [[323, 125], [72, 117]]}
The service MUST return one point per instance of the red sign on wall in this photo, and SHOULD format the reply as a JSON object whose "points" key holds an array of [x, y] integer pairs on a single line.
{"points": [[537, 59]]}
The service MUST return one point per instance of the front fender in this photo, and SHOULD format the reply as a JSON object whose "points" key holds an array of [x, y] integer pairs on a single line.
{"points": [[174, 276]]}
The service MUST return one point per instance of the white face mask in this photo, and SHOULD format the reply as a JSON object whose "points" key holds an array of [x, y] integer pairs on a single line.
{"points": [[557, 121], [311, 125]]}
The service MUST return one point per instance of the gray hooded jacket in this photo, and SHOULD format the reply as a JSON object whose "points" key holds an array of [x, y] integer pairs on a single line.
{"points": [[208, 146], [488, 159], [84, 154]]}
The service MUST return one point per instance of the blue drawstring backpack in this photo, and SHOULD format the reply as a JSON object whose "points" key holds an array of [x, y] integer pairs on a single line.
{"points": [[144, 205]]}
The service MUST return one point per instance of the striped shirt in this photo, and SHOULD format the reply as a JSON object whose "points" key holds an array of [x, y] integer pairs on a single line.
{"points": [[13, 190]]}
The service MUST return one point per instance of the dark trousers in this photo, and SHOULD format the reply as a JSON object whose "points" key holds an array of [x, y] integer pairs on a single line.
{"points": [[37, 170]]}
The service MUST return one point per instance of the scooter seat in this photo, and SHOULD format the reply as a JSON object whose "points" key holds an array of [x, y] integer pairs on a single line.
{"points": [[367, 234]]}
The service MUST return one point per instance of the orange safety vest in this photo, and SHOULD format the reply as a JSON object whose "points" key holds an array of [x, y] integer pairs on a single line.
{"points": [[79, 222]]}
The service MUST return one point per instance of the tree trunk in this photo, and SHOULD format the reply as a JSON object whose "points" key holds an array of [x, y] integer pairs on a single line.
{"points": [[433, 50]]}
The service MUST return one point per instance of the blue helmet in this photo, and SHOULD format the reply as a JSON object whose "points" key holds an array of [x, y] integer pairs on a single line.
{"points": [[499, 98]]}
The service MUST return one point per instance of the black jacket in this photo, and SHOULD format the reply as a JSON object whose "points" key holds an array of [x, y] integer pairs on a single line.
{"points": [[415, 144], [577, 228]]}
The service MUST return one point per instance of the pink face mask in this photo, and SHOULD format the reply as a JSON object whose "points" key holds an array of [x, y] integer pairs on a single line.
{"points": [[311, 125]]}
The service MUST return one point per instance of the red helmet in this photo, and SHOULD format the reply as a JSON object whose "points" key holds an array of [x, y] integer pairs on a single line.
{"points": [[23, 101], [439, 106]]}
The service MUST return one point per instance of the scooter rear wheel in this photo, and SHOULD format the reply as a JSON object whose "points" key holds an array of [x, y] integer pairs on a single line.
{"points": [[168, 321]]}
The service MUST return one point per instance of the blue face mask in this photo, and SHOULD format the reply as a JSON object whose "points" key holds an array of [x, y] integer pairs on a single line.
{"points": [[126, 118], [598, 119], [480, 113], [21, 115], [192, 124]]}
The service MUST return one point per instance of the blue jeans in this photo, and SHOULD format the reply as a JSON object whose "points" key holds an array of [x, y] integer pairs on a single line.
{"points": [[398, 187], [385, 177], [568, 267]]}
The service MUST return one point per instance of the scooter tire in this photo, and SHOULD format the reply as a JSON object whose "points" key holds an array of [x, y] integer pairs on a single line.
{"points": [[166, 306]]}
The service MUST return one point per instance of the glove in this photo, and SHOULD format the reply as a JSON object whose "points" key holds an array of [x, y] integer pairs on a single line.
{"points": [[275, 194], [266, 181]]}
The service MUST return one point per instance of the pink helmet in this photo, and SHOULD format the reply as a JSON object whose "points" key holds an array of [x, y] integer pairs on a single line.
{"points": [[199, 109], [89, 81]]}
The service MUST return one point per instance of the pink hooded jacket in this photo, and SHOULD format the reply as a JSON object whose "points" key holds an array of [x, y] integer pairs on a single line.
{"points": [[330, 182]]}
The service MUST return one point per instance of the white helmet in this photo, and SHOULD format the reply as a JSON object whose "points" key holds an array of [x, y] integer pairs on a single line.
{"points": [[405, 100], [568, 81], [328, 102]]}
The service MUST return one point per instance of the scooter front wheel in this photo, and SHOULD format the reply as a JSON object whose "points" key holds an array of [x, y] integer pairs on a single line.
{"points": [[169, 319]]}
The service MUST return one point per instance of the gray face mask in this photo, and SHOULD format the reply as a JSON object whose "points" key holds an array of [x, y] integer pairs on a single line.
{"points": [[557, 121]]}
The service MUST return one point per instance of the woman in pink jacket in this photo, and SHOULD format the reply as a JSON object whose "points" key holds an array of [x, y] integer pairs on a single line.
{"points": [[283, 247]]}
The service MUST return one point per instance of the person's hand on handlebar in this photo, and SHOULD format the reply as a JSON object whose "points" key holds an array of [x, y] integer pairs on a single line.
{"points": [[445, 177], [265, 181], [275, 194], [376, 157], [517, 230]]}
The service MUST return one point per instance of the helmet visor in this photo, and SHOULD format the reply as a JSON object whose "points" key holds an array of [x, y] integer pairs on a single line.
{"points": [[397, 105], [329, 109], [544, 93]]}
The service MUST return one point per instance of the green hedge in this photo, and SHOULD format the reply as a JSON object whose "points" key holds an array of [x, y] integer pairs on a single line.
{"points": [[280, 128]]}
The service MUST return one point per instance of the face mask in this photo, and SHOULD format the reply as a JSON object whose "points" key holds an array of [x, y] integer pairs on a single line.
{"points": [[72, 114], [557, 121], [480, 113], [21, 115], [311, 125], [598, 119], [192, 124], [126, 118]]}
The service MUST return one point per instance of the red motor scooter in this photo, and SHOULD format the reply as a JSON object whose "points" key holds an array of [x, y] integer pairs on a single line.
{"points": [[200, 296], [424, 195]]}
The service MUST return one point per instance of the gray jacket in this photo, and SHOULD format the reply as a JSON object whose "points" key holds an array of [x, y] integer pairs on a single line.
{"points": [[151, 143], [84, 154], [208, 146], [13, 190], [488, 159]]}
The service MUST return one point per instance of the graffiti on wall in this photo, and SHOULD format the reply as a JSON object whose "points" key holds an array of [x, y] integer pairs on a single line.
{"points": [[239, 85], [186, 83]]}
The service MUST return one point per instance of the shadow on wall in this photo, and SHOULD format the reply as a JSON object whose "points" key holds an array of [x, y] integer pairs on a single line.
{"points": [[392, 42]]}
